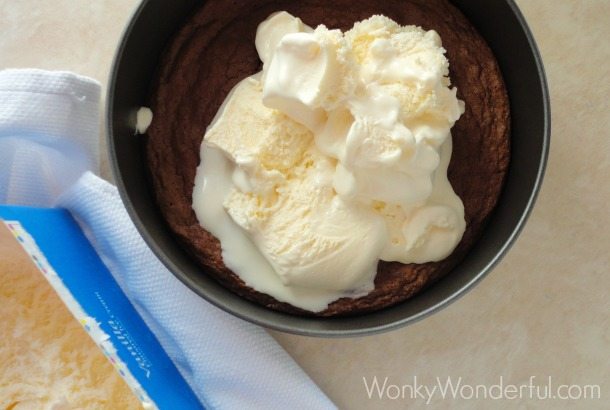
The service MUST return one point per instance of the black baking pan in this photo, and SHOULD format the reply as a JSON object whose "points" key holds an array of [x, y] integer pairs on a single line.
{"points": [[499, 22]]}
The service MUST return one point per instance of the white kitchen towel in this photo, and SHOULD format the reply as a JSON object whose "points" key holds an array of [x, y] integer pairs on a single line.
{"points": [[49, 127]]}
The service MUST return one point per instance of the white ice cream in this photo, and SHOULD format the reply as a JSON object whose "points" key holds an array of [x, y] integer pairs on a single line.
{"points": [[332, 158], [144, 118]]}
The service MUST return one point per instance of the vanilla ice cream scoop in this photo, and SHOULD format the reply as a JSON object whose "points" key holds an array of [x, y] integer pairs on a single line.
{"points": [[331, 159], [308, 75]]}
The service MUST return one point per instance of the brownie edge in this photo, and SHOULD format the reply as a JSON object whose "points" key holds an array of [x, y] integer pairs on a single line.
{"points": [[215, 49]]}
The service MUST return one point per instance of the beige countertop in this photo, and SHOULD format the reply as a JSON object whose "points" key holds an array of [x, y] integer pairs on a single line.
{"points": [[543, 312]]}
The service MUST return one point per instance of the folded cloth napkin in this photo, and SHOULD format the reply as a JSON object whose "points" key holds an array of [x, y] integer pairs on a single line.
{"points": [[49, 123], [49, 127]]}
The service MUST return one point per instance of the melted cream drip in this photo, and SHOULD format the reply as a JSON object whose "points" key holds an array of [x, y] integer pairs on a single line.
{"points": [[331, 159]]}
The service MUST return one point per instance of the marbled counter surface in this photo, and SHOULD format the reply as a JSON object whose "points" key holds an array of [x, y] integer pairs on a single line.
{"points": [[544, 311]]}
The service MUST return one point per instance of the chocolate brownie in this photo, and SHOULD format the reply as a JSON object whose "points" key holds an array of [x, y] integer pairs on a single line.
{"points": [[214, 50]]}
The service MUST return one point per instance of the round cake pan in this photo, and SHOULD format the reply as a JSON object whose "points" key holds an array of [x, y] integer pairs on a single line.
{"points": [[499, 22]]}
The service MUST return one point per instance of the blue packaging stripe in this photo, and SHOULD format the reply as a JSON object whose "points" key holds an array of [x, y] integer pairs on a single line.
{"points": [[70, 254]]}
